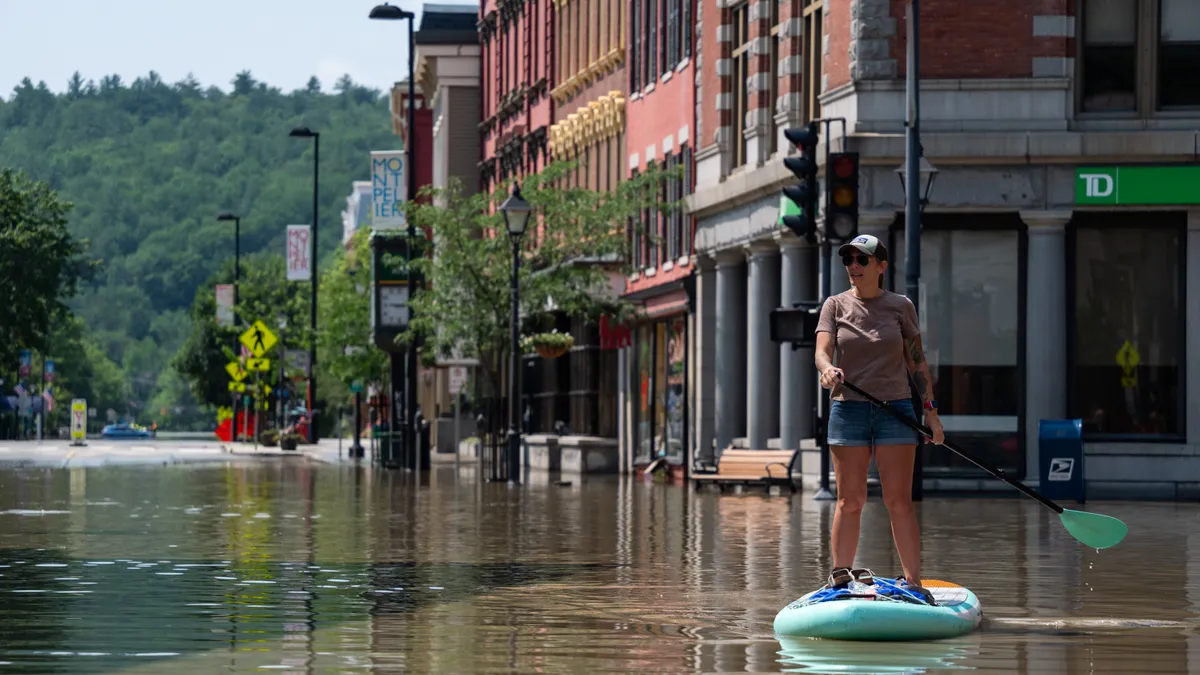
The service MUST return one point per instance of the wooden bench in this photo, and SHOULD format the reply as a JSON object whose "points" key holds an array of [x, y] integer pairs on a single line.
{"points": [[738, 466]]}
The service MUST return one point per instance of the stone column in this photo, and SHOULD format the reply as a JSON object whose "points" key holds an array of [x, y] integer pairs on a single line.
{"points": [[704, 342], [1191, 315], [762, 404], [730, 347], [1045, 326], [797, 375]]}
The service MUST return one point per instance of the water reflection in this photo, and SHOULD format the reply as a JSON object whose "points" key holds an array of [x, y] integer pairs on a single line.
{"points": [[804, 655], [302, 568]]}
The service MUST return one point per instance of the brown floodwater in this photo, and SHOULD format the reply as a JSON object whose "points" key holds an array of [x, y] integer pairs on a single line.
{"points": [[297, 567]]}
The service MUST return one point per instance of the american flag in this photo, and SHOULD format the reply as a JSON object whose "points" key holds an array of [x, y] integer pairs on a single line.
{"points": [[49, 400], [19, 389]]}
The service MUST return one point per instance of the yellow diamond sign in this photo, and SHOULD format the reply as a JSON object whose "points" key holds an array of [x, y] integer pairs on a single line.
{"points": [[235, 371], [1128, 357], [258, 339]]}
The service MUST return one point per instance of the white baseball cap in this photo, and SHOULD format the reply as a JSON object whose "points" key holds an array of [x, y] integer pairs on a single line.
{"points": [[865, 243]]}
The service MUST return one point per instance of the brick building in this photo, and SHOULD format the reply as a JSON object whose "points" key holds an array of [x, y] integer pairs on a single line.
{"points": [[1055, 285], [588, 93], [660, 114], [517, 59]]}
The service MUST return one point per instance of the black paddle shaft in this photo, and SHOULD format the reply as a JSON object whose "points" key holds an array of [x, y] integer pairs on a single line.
{"points": [[922, 429]]}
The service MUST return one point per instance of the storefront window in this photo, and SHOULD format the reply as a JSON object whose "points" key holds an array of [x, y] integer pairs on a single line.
{"points": [[642, 380], [1128, 328], [658, 391], [676, 397], [970, 316]]}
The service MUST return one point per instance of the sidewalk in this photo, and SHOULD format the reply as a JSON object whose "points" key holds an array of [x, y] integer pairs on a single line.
{"points": [[324, 451]]}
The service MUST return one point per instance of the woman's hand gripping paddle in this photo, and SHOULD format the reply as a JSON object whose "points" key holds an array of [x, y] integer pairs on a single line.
{"points": [[1092, 529]]}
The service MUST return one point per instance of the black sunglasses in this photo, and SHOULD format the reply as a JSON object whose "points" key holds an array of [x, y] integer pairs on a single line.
{"points": [[850, 258]]}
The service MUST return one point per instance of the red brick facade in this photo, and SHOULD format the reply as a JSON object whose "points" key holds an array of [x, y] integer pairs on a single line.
{"points": [[518, 67], [660, 131]]}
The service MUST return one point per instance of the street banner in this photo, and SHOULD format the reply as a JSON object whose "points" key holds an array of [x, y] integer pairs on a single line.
{"points": [[26, 362], [299, 253], [49, 368], [225, 305], [389, 189]]}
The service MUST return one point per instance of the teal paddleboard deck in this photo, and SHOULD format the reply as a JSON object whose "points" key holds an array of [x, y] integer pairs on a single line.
{"points": [[873, 612]]}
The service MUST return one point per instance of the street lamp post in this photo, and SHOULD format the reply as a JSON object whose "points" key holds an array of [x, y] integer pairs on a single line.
{"points": [[305, 132], [913, 199], [237, 267], [516, 212], [386, 12]]}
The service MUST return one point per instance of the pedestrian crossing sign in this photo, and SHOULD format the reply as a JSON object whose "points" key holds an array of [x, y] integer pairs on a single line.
{"points": [[235, 370], [258, 339]]}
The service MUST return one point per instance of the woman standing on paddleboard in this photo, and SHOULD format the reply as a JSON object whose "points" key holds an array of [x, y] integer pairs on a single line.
{"points": [[878, 343]]}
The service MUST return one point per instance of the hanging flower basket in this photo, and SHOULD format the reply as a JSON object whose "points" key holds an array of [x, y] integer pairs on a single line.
{"points": [[548, 345]]}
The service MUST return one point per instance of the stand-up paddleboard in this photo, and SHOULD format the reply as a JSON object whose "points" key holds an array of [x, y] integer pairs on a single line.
{"points": [[878, 612]]}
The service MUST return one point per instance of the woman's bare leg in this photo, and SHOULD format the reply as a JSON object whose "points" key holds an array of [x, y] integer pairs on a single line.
{"points": [[850, 465], [895, 464]]}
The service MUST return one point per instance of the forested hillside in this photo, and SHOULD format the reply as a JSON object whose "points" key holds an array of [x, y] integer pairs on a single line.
{"points": [[148, 166]]}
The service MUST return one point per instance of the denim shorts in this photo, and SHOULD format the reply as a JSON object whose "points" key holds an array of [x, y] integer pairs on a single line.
{"points": [[860, 423]]}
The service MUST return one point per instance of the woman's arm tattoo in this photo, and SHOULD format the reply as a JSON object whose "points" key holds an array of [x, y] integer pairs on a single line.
{"points": [[919, 368]]}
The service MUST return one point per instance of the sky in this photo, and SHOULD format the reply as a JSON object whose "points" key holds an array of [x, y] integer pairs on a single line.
{"points": [[280, 43]]}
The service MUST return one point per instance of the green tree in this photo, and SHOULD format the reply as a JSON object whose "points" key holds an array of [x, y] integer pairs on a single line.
{"points": [[345, 352], [575, 239], [149, 164], [82, 370], [41, 264]]}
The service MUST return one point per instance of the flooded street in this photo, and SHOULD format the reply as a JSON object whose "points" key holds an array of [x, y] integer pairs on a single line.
{"points": [[292, 566]]}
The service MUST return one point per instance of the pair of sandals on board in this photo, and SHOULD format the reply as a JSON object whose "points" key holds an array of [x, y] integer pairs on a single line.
{"points": [[841, 577]]}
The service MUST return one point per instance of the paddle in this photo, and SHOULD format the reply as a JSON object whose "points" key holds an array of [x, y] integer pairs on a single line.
{"points": [[1092, 529]]}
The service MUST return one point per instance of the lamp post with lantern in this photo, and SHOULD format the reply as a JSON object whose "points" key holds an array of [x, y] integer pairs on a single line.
{"points": [[516, 212]]}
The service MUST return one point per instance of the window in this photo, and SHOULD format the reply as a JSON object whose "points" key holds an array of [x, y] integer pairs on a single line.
{"points": [[635, 59], [602, 28], [657, 377], [652, 40], [971, 331], [687, 190], [813, 56], [655, 222], [686, 28], [1110, 55], [1128, 333], [1138, 56], [674, 219], [637, 237], [1179, 54], [671, 196], [739, 81], [670, 41]]}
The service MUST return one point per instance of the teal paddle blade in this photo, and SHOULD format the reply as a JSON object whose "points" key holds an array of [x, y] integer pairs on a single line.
{"points": [[1093, 529]]}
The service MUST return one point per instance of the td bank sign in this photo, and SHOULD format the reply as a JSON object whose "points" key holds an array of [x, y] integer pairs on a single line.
{"points": [[1137, 185]]}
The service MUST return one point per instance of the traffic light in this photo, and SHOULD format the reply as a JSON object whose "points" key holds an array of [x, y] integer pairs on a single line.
{"points": [[804, 166], [841, 183]]}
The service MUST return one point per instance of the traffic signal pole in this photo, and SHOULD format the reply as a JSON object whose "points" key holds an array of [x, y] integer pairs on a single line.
{"points": [[805, 196]]}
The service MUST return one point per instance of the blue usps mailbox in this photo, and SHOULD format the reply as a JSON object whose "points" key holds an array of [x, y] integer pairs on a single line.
{"points": [[1060, 457]]}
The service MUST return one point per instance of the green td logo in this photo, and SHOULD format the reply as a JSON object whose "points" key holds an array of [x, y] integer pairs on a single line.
{"points": [[1096, 186]]}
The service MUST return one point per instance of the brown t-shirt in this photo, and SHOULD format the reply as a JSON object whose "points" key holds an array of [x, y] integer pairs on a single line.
{"points": [[868, 338]]}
